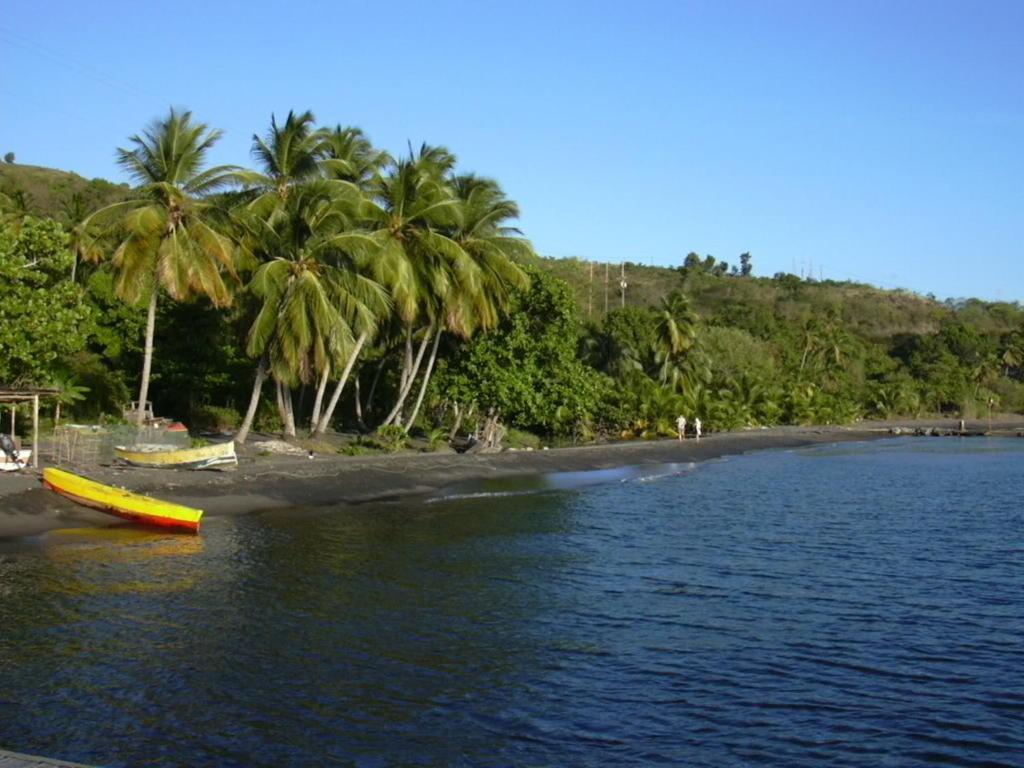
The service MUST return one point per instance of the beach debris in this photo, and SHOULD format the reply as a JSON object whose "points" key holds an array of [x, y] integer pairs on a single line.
{"points": [[278, 446]]}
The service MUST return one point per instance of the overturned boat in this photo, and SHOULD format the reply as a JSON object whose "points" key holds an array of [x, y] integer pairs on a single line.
{"points": [[173, 457]]}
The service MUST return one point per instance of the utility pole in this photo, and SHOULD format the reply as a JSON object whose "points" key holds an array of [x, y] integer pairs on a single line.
{"points": [[606, 287], [590, 293]]}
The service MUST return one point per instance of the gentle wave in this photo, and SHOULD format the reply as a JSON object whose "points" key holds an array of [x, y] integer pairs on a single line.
{"points": [[850, 606]]}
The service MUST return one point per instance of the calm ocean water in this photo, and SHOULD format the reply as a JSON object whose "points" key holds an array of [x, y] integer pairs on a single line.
{"points": [[851, 605]]}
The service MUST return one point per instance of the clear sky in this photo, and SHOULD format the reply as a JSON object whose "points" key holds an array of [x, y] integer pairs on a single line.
{"points": [[875, 141]]}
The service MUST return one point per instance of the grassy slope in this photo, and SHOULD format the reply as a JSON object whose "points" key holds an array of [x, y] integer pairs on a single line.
{"points": [[47, 190], [871, 312]]}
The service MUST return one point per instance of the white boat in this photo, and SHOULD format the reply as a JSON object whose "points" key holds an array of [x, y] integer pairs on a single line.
{"points": [[23, 457]]}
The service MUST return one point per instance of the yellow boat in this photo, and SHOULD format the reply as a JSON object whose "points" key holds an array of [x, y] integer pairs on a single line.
{"points": [[117, 501], [171, 457]]}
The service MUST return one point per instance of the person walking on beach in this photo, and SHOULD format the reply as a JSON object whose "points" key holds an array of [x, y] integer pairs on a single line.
{"points": [[696, 427], [681, 427]]}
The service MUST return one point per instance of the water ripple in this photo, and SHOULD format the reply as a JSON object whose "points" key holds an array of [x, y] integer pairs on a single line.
{"points": [[852, 605]]}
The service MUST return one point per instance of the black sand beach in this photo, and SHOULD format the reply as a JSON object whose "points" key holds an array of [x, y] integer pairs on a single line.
{"points": [[274, 482]]}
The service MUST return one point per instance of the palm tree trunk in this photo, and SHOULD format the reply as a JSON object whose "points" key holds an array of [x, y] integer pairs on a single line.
{"points": [[289, 409], [458, 422], [357, 395], [426, 380], [285, 408], [254, 401], [315, 418], [397, 410], [408, 359], [280, 402], [325, 420], [147, 360]]}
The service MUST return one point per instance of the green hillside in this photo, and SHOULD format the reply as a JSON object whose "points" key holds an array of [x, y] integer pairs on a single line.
{"points": [[702, 338], [757, 303], [58, 194]]}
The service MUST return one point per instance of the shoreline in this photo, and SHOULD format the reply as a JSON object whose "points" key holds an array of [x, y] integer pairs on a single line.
{"points": [[276, 482]]}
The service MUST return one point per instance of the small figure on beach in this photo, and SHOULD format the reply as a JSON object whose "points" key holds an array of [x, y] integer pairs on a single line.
{"points": [[696, 427], [681, 427], [10, 451]]}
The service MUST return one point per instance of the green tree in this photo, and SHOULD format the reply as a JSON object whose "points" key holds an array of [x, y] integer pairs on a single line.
{"points": [[411, 220], [170, 237], [477, 302], [44, 317], [526, 372], [314, 299], [675, 334]]}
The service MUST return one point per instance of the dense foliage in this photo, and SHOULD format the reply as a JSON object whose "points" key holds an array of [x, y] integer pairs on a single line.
{"points": [[394, 294], [44, 317]]}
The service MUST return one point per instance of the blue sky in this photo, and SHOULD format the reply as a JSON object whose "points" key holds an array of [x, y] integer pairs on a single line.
{"points": [[875, 141]]}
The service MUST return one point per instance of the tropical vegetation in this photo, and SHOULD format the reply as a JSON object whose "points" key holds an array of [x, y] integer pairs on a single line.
{"points": [[331, 285]]}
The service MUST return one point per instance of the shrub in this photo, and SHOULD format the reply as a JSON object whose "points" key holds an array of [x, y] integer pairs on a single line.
{"points": [[391, 438], [355, 449], [267, 418], [518, 438], [212, 418]]}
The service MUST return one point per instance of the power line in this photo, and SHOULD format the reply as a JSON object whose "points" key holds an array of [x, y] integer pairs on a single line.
{"points": [[27, 44], [48, 106]]}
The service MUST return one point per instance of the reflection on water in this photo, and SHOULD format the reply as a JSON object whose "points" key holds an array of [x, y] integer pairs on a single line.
{"points": [[527, 485], [850, 605]]}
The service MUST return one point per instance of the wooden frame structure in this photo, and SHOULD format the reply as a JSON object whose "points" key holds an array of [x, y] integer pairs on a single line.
{"points": [[31, 394]]}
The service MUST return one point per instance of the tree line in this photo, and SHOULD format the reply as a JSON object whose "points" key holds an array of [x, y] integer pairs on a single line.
{"points": [[352, 288]]}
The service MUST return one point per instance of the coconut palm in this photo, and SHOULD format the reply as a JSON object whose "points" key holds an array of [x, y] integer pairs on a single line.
{"points": [[314, 299], [410, 219], [1013, 353], [609, 353], [171, 237], [676, 324], [348, 155], [290, 156], [476, 301], [675, 334]]}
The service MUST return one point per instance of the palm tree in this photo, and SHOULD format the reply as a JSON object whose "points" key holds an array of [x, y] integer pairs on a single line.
{"points": [[170, 235], [314, 297], [289, 156], [675, 333], [1013, 353], [413, 210], [609, 353], [348, 156], [476, 302]]}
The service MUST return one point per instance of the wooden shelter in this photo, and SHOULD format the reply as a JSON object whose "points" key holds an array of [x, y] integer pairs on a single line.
{"points": [[14, 396]]}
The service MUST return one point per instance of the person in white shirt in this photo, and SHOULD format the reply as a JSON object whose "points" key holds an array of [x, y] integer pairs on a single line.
{"points": [[681, 427], [696, 427]]}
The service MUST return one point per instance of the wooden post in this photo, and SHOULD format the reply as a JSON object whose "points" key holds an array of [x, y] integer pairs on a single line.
{"points": [[35, 431], [14, 408]]}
